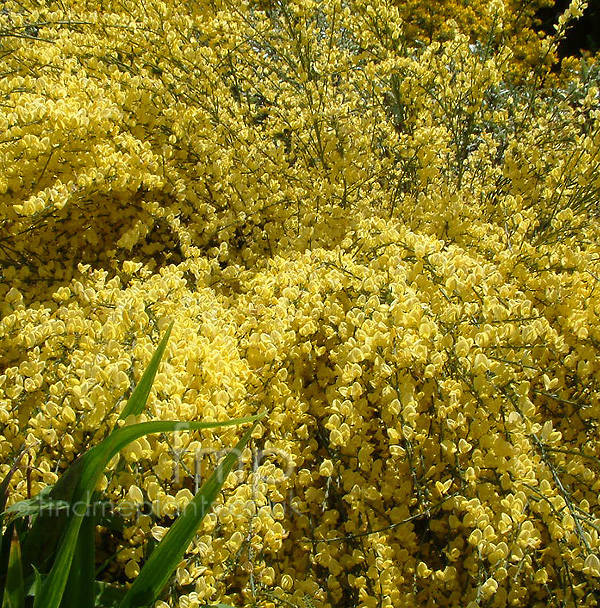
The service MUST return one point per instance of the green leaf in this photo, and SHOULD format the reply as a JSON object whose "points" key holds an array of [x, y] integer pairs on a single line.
{"points": [[137, 401], [14, 590], [98, 457], [92, 465], [39, 548], [6, 538], [36, 505], [80, 590], [78, 485], [34, 583], [163, 561]]}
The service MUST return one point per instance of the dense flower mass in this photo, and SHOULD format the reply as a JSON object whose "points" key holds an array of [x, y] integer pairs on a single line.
{"points": [[377, 224]]}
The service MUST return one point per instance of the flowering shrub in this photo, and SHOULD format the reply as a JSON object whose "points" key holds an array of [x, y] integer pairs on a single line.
{"points": [[389, 242], [510, 23]]}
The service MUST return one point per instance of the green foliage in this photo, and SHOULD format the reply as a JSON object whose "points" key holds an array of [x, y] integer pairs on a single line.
{"points": [[58, 556]]}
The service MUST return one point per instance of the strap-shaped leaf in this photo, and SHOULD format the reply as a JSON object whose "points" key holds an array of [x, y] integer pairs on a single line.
{"points": [[40, 545], [80, 591], [93, 464], [163, 561], [14, 590], [137, 401], [5, 539], [39, 504]]}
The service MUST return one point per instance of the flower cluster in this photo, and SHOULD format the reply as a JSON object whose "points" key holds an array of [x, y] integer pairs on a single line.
{"points": [[382, 231]]}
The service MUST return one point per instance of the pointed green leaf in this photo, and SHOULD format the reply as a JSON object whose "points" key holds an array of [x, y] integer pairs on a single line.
{"points": [[163, 561], [5, 539], [80, 590], [98, 457], [40, 546], [137, 401], [14, 590], [35, 584], [92, 465], [42, 503]]}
